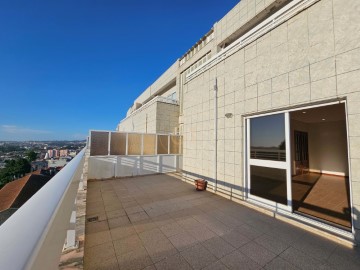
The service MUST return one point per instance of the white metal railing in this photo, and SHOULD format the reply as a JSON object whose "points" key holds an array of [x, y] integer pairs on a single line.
{"points": [[272, 154], [33, 237], [166, 100]]}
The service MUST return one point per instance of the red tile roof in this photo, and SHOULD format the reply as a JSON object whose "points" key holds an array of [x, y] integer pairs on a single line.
{"points": [[10, 191], [14, 194]]}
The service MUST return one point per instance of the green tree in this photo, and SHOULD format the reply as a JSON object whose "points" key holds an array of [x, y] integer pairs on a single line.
{"points": [[31, 155], [13, 170], [282, 145]]}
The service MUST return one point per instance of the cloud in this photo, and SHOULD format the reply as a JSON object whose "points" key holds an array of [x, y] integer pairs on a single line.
{"points": [[11, 129]]}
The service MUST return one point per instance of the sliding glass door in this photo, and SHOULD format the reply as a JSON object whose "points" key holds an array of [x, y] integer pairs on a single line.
{"points": [[268, 165], [297, 162]]}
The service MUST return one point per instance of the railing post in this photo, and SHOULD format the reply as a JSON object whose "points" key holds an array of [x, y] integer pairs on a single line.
{"points": [[70, 241], [109, 143], [168, 145], [127, 144], [156, 144]]}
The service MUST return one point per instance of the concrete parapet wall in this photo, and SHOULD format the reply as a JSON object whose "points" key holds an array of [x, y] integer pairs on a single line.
{"points": [[124, 166], [142, 120], [101, 167]]}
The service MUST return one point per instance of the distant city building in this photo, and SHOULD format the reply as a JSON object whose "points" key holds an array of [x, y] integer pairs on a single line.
{"points": [[38, 165], [51, 171], [57, 163], [53, 153], [64, 152], [50, 153]]}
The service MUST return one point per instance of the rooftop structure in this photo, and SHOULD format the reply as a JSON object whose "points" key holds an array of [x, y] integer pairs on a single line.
{"points": [[57, 162], [14, 194]]}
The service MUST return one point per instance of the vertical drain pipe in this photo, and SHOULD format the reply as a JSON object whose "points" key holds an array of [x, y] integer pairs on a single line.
{"points": [[215, 132]]}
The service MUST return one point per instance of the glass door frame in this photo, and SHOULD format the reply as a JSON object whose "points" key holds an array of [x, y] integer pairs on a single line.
{"points": [[287, 210], [284, 165]]}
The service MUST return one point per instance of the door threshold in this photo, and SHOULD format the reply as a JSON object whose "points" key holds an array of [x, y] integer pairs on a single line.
{"points": [[341, 235], [333, 224], [338, 234]]}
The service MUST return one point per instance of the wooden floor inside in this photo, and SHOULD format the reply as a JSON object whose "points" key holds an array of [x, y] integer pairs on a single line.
{"points": [[323, 196]]}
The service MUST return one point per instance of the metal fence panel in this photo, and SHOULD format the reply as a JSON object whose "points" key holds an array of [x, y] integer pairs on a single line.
{"points": [[99, 143], [118, 143], [149, 144], [134, 144], [162, 144]]}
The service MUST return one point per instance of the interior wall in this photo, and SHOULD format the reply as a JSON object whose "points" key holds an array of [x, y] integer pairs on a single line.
{"points": [[328, 148], [299, 126]]}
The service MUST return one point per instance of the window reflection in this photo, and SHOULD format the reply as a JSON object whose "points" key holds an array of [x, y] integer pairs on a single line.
{"points": [[267, 137], [268, 183]]}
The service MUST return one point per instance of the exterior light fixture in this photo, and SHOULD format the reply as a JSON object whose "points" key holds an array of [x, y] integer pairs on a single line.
{"points": [[303, 112], [228, 115], [323, 119]]}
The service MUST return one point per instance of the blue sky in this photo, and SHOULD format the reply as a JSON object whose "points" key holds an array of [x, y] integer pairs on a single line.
{"points": [[72, 65], [267, 131]]}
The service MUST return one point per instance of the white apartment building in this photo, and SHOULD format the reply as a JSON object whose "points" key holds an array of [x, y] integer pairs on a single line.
{"points": [[268, 104], [265, 107]]}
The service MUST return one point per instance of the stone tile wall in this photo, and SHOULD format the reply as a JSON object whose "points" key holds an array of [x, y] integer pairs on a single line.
{"points": [[313, 57], [159, 117]]}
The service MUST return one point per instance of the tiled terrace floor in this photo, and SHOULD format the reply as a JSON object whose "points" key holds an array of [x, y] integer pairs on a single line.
{"points": [[160, 222]]}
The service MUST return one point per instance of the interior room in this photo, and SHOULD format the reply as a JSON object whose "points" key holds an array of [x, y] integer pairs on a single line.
{"points": [[320, 171]]}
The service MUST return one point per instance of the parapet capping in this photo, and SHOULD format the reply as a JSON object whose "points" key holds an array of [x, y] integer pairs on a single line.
{"points": [[279, 17]]}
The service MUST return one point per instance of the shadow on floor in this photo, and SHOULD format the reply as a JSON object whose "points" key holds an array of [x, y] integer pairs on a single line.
{"points": [[323, 196]]}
